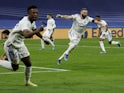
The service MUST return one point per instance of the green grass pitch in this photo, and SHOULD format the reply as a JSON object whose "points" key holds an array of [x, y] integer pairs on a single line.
{"points": [[90, 71]]}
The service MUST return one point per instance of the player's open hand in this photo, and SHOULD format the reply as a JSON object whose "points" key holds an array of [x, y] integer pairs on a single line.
{"points": [[96, 21], [58, 16], [41, 28]]}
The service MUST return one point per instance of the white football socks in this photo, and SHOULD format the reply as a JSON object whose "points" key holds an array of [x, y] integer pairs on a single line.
{"points": [[6, 64], [66, 52], [102, 46], [42, 44], [69, 49], [115, 42], [28, 71], [52, 43]]}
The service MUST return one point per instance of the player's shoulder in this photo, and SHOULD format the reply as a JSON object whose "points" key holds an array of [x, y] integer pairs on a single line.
{"points": [[103, 21], [51, 19], [74, 16], [77, 15], [89, 17], [24, 20]]}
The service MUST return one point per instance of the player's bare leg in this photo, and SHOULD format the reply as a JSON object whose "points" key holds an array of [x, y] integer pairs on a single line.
{"points": [[115, 43], [50, 41], [28, 71], [42, 44], [72, 45], [6, 64]]}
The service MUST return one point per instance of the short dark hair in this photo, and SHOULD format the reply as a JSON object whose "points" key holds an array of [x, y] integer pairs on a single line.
{"points": [[84, 9], [97, 16], [31, 7], [50, 15], [6, 32]]}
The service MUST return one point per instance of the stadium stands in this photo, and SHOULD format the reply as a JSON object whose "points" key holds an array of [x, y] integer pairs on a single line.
{"points": [[13, 10]]}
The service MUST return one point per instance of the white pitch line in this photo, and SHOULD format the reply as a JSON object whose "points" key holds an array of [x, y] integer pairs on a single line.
{"points": [[91, 46], [48, 70], [83, 46], [6, 73]]}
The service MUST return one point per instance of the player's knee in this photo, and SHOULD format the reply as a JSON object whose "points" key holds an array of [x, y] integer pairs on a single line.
{"points": [[74, 43], [26, 61], [15, 67], [101, 39], [110, 42], [27, 64]]}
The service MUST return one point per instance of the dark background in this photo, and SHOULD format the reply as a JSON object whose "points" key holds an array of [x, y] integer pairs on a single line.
{"points": [[11, 11]]}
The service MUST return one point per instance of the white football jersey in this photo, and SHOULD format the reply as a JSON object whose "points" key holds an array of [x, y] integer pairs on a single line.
{"points": [[79, 25], [51, 24], [16, 37], [103, 28]]}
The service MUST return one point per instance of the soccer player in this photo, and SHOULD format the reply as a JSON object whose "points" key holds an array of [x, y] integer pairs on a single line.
{"points": [[4, 35], [80, 22], [47, 35], [15, 48], [105, 33]]}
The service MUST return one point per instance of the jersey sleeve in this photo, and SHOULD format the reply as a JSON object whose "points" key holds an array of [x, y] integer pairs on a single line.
{"points": [[103, 23], [91, 19], [74, 16], [53, 24], [25, 26]]}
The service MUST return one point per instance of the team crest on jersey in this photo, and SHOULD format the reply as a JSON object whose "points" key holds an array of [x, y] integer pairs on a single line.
{"points": [[81, 24]]}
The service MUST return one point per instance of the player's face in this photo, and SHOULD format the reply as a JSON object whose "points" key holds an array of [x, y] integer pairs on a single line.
{"points": [[84, 12], [48, 16], [5, 36], [33, 14], [97, 18]]}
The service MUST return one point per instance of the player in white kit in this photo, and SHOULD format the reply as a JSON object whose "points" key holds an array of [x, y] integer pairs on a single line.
{"points": [[15, 48], [4, 36], [105, 33], [80, 22], [47, 35]]}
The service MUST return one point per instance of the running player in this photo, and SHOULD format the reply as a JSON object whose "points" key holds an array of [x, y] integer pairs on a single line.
{"points": [[47, 35], [105, 33], [80, 22], [15, 48]]}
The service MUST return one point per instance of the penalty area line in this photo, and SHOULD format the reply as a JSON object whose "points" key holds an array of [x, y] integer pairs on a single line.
{"points": [[85, 46], [43, 68], [52, 69]]}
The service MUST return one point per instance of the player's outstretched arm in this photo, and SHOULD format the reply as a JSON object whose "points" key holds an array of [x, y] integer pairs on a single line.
{"points": [[39, 35], [29, 34], [102, 25], [64, 16], [98, 22]]}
